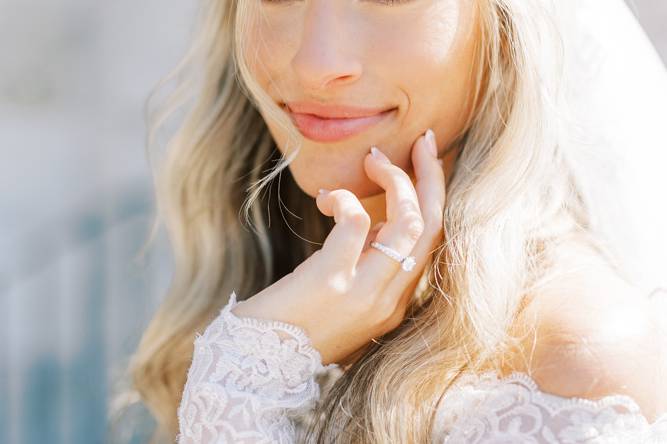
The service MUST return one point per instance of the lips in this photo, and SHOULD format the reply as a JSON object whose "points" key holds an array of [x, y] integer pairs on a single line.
{"points": [[330, 123]]}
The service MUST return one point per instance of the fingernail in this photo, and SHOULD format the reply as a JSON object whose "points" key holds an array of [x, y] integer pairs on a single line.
{"points": [[379, 155], [430, 138], [323, 191]]}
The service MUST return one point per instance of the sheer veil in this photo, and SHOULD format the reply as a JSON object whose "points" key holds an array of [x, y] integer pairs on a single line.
{"points": [[616, 91]]}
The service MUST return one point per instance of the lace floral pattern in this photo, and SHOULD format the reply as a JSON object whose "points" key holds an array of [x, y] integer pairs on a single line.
{"points": [[247, 376], [486, 408], [250, 378]]}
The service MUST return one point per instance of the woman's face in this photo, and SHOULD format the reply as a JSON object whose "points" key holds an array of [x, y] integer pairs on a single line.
{"points": [[414, 58]]}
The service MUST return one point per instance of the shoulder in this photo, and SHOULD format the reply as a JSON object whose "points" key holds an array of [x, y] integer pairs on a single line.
{"points": [[598, 341]]}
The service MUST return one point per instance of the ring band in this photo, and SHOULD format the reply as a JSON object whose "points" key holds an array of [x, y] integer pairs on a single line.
{"points": [[407, 262]]}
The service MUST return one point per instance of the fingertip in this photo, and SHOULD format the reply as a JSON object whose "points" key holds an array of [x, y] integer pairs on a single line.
{"points": [[368, 157], [320, 200], [419, 158], [369, 164], [432, 144]]}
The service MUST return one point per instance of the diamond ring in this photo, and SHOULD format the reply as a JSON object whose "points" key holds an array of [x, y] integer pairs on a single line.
{"points": [[407, 262]]}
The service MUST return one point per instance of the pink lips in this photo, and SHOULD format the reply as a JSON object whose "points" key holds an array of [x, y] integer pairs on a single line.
{"points": [[330, 123]]}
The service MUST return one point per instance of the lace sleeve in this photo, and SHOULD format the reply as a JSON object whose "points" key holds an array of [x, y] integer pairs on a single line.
{"points": [[247, 377], [485, 409]]}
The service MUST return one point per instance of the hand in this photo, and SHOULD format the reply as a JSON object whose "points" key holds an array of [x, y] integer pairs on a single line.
{"points": [[345, 294]]}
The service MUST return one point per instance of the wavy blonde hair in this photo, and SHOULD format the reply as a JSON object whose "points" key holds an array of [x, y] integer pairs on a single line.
{"points": [[514, 201]]}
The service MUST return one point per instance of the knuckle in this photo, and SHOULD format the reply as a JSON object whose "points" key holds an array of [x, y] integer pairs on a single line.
{"points": [[339, 196], [385, 311], [343, 194], [375, 307], [359, 219], [408, 206], [414, 226], [364, 305], [395, 319], [399, 174]]}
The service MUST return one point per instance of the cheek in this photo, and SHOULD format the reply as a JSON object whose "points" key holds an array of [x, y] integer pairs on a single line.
{"points": [[270, 46], [268, 49], [429, 57], [426, 37], [421, 58]]}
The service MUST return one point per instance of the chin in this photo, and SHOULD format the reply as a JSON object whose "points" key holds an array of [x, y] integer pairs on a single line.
{"points": [[361, 188], [332, 166]]}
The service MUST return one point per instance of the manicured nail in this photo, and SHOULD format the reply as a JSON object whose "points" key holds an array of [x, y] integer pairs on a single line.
{"points": [[430, 138], [379, 155], [323, 191]]}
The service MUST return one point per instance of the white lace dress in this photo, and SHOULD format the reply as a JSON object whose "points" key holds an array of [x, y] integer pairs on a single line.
{"points": [[250, 377]]}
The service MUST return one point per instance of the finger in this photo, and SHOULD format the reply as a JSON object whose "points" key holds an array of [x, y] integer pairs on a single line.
{"points": [[431, 191], [400, 193], [430, 182], [372, 234], [404, 222], [345, 242]]}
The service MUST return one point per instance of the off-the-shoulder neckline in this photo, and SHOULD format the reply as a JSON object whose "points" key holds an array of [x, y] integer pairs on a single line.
{"points": [[626, 401], [489, 375]]}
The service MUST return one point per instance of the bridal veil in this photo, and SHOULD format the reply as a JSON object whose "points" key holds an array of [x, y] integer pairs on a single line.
{"points": [[616, 92]]}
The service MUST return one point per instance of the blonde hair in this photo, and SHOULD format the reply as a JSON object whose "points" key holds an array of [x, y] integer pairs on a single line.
{"points": [[513, 202]]}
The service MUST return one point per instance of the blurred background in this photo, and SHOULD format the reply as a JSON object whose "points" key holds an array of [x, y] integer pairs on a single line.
{"points": [[76, 206]]}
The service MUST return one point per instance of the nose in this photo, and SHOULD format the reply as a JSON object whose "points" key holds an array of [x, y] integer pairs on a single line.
{"points": [[325, 58]]}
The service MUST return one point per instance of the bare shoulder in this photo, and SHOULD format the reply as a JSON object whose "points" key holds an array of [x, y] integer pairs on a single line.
{"points": [[598, 338]]}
